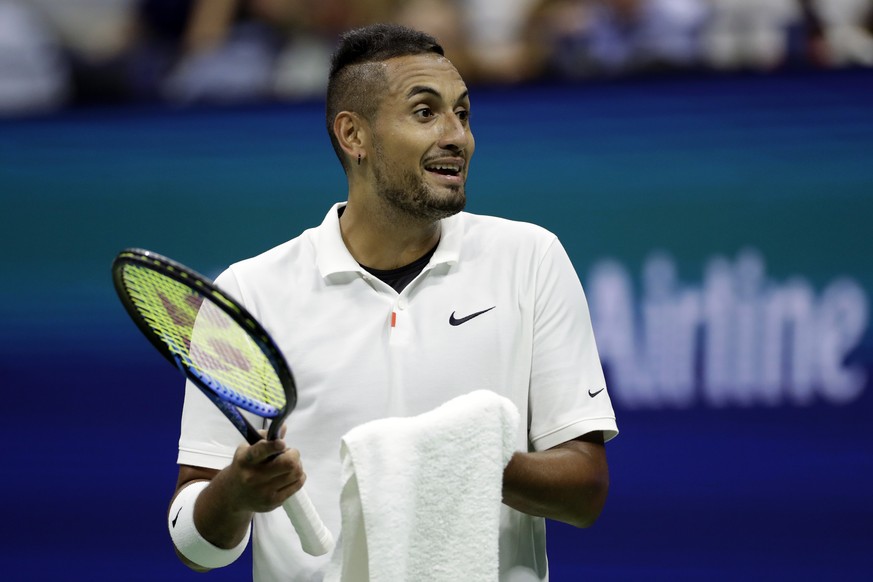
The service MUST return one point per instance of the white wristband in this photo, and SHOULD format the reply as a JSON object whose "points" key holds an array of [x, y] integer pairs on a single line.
{"points": [[188, 540]]}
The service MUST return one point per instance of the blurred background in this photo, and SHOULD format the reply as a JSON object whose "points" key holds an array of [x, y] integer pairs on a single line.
{"points": [[706, 163]]}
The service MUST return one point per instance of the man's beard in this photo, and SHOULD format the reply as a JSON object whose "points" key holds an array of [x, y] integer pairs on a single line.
{"points": [[407, 193]]}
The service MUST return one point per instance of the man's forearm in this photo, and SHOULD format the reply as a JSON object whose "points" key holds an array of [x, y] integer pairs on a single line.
{"points": [[567, 483], [215, 518]]}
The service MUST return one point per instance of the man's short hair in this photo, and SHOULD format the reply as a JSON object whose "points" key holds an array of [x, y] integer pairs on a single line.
{"points": [[354, 84]]}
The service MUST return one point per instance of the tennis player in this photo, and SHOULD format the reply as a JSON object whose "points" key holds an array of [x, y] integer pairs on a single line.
{"points": [[396, 303]]}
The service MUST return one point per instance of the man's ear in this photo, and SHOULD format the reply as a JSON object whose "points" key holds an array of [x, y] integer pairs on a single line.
{"points": [[352, 133]]}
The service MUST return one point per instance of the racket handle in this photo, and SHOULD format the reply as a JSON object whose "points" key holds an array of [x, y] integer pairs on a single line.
{"points": [[315, 538]]}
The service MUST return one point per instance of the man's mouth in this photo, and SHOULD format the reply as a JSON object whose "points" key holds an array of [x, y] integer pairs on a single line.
{"points": [[444, 169], [450, 170]]}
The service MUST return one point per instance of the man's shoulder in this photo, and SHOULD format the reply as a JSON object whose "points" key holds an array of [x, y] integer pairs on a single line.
{"points": [[490, 227], [287, 255]]}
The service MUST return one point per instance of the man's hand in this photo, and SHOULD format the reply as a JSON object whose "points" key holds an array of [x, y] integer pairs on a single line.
{"points": [[262, 476], [259, 479]]}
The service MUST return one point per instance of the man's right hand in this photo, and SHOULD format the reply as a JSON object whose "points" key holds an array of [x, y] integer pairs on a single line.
{"points": [[259, 479], [262, 476]]}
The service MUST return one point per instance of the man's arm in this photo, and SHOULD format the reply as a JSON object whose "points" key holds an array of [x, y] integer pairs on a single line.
{"points": [[259, 479], [567, 483]]}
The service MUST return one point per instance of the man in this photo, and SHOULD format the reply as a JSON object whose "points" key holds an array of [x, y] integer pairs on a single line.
{"points": [[395, 304]]}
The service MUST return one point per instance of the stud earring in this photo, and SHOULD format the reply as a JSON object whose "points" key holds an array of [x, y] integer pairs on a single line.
{"points": [[359, 159]]}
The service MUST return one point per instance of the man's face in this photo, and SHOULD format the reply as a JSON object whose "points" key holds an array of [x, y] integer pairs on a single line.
{"points": [[421, 137]]}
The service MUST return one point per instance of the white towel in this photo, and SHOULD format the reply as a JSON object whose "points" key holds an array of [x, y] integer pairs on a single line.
{"points": [[421, 496]]}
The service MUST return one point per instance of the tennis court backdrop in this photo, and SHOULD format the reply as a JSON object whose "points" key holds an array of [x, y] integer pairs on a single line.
{"points": [[721, 227]]}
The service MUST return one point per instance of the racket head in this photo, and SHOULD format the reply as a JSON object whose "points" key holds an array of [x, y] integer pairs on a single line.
{"points": [[227, 354]]}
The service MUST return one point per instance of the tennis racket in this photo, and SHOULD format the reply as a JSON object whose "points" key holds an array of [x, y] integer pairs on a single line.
{"points": [[216, 343]]}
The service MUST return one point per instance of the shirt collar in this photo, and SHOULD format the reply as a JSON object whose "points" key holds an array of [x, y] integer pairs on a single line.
{"points": [[331, 253], [332, 256]]}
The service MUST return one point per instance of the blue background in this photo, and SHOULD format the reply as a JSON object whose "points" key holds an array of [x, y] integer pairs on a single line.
{"points": [[694, 166]]}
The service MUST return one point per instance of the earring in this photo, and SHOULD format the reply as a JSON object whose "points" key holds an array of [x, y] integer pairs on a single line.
{"points": [[359, 159]]}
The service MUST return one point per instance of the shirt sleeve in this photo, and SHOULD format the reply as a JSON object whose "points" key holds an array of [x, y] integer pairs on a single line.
{"points": [[207, 438], [568, 395]]}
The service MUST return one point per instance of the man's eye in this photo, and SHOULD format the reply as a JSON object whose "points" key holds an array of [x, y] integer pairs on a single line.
{"points": [[424, 112], [463, 114]]}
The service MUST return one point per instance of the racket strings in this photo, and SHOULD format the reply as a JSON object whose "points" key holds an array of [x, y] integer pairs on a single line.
{"points": [[206, 339]]}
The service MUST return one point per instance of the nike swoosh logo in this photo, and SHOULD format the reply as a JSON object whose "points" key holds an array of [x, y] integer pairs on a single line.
{"points": [[177, 516], [593, 394], [455, 321]]}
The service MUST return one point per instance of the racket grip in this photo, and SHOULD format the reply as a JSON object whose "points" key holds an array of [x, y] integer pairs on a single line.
{"points": [[315, 538]]}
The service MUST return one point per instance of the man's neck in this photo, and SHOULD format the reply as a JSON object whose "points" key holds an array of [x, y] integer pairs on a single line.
{"points": [[382, 240]]}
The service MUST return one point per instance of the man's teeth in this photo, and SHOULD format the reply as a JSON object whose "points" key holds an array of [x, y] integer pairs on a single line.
{"points": [[445, 168]]}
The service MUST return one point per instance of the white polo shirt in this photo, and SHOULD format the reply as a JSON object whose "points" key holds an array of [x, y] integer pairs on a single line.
{"points": [[498, 307]]}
